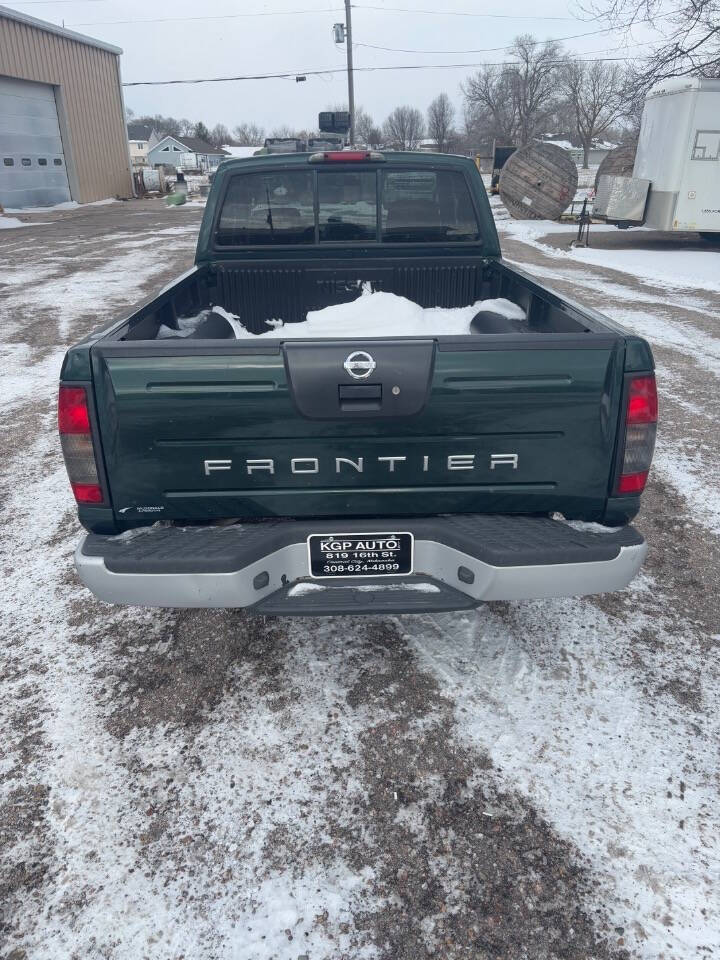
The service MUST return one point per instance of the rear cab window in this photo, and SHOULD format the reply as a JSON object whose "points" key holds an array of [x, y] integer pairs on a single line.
{"points": [[276, 207], [421, 206], [345, 205]]}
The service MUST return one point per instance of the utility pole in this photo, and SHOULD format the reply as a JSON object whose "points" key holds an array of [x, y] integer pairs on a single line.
{"points": [[351, 87]]}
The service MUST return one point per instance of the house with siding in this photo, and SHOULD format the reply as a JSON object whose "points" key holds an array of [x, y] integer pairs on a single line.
{"points": [[171, 150], [141, 138]]}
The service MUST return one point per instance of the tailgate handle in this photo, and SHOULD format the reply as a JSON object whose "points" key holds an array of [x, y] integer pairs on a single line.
{"points": [[361, 396]]}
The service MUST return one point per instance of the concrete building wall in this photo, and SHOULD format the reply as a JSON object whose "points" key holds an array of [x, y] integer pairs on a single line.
{"points": [[88, 92]]}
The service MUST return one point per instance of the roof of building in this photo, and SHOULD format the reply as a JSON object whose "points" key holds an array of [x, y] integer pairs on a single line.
{"points": [[139, 131], [9, 14], [195, 145]]}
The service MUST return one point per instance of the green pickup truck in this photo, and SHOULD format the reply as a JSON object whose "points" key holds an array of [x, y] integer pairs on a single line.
{"points": [[271, 431]]}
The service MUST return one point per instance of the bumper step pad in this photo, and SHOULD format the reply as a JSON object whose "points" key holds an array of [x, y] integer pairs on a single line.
{"points": [[460, 561], [408, 596]]}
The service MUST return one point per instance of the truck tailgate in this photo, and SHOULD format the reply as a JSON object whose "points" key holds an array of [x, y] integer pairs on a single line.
{"points": [[455, 425]]}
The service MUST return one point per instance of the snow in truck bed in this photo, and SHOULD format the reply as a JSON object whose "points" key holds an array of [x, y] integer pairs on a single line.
{"points": [[373, 314]]}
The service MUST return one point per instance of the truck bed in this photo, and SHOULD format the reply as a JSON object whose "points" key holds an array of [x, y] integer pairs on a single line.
{"points": [[204, 430], [265, 290]]}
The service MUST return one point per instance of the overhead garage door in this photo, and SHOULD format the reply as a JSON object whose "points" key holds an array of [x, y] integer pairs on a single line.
{"points": [[32, 163]]}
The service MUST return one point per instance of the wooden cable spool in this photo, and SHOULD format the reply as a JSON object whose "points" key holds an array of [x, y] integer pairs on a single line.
{"points": [[618, 162], [538, 182]]}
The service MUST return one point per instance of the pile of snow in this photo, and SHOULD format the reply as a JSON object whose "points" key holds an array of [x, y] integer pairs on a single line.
{"points": [[370, 315], [8, 223], [66, 205], [668, 269], [563, 144], [691, 269]]}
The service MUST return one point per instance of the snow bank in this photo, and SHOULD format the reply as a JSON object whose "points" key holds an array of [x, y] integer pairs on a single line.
{"points": [[669, 269], [532, 230], [67, 205], [666, 268], [370, 315], [8, 223]]}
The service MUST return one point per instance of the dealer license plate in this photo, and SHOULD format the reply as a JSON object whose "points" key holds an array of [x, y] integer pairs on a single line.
{"points": [[360, 554]]}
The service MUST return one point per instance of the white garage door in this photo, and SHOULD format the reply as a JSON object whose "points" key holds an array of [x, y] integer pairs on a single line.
{"points": [[32, 163]]}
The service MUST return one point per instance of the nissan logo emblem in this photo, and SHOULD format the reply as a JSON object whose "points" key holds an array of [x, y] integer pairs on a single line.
{"points": [[359, 365]]}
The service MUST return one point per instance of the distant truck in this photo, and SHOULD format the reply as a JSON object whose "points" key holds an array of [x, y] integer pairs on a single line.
{"points": [[284, 145], [675, 184]]}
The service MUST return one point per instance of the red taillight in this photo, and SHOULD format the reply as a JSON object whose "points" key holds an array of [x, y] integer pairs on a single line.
{"points": [[87, 492], [641, 415], [73, 414], [632, 482], [642, 406], [77, 444]]}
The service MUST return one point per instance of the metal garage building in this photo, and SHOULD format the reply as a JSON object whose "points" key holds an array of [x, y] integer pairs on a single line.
{"points": [[62, 117]]}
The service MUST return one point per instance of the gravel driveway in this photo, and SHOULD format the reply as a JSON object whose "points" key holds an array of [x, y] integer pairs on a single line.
{"points": [[531, 780]]}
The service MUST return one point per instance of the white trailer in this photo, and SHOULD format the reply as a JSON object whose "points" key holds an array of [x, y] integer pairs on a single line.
{"points": [[676, 177]]}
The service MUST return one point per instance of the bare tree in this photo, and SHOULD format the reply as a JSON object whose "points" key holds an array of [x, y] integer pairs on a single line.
{"points": [[167, 126], [219, 135], [373, 136], [441, 116], [283, 131], [186, 127], [364, 125], [689, 32], [249, 134], [404, 127], [490, 104], [516, 100], [595, 92]]}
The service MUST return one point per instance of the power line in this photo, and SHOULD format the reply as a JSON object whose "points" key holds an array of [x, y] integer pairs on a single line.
{"points": [[291, 74], [235, 16], [575, 36], [458, 13], [48, 3], [225, 16], [362, 6]]}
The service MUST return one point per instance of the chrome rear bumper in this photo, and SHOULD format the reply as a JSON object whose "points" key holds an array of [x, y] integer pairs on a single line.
{"points": [[460, 562]]}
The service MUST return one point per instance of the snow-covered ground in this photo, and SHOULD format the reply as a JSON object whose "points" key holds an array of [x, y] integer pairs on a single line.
{"points": [[671, 269], [66, 205], [10, 223], [531, 780]]}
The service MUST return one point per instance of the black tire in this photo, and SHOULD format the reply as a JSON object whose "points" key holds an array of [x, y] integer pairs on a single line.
{"points": [[487, 321]]}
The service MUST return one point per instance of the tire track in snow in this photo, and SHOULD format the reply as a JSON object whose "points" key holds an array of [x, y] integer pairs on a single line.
{"points": [[541, 687], [231, 788], [48, 309]]}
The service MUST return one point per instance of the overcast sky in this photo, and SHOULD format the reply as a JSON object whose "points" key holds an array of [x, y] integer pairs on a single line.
{"points": [[220, 38]]}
